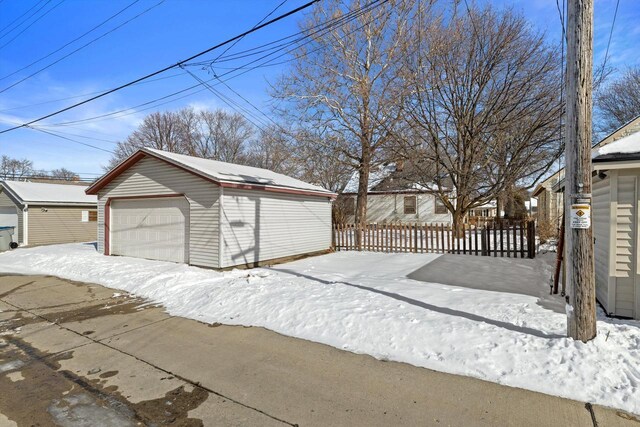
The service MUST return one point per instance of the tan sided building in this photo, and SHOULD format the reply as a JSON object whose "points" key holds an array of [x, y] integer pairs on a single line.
{"points": [[44, 213]]}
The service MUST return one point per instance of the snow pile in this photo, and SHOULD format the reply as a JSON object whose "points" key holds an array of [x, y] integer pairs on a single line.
{"points": [[628, 144], [362, 302]]}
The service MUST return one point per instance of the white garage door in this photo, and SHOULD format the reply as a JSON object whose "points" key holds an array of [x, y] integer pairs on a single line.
{"points": [[150, 228], [9, 217]]}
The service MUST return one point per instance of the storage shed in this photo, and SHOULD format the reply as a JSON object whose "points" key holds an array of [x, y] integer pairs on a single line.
{"points": [[172, 207], [615, 225], [44, 213]]}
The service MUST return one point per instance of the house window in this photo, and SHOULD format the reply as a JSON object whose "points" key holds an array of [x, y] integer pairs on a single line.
{"points": [[440, 208], [410, 205]]}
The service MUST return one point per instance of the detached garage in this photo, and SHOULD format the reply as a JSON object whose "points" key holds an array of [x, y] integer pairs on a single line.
{"points": [[44, 213], [171, 207]]}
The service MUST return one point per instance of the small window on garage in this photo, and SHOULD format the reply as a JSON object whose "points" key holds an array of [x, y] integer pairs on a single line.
{"points": [[440, 208], [410, 205], [89, 216]]}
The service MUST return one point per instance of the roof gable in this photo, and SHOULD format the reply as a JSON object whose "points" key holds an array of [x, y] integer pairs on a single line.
{"points": [[220, 173], [45, 193]]}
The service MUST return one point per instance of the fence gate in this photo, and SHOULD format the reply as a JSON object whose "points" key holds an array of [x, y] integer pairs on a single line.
{"points": [[498, 239]]}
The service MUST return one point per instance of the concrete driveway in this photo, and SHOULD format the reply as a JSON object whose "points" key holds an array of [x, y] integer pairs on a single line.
{"points": [[512, 275], [75, 354]]}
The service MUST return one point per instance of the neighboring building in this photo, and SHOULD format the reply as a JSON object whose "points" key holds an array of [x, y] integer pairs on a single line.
{"points": [[550, 200], [172, 207], [488, 210], [45, 213], [616, 193], [393, 197]]}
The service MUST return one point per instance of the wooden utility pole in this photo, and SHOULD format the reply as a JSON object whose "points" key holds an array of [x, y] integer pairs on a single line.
{"points": [[581, 312]]}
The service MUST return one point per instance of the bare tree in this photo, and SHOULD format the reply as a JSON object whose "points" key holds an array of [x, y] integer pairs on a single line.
{"points": [[64, 174], [484, 107], [618, 102], [344, 83], [15, 169], [217, 135]]}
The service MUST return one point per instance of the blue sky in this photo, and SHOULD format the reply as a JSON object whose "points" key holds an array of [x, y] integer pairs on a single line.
{"points": [[168, 32]]}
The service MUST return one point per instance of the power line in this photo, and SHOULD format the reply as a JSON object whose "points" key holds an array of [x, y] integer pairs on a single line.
{"points": [[155, 73], [325, 27], [72, 41], [259, 22], [606, 55], [82, 47], [32, 24], [24, 20], [85, 94], [69, 139]]}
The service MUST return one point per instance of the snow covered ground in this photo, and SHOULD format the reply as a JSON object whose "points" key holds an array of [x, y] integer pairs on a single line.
{"points": [[362, 302]]}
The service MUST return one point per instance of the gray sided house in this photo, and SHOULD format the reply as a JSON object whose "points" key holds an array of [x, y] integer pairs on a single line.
{"points": [[171, 207], [44, 213], [616, 196], [393, 197]]}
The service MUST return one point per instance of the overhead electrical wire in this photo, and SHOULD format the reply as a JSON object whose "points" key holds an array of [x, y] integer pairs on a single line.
{"points": [[24, 20], [327, 27], [70, 139], [169, 67], [31, 24], [72, 41], [84, 95], [81, 47], [606, 55]]}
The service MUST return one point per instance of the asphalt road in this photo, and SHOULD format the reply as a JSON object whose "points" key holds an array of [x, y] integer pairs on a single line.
{"points": [[75, 354]]}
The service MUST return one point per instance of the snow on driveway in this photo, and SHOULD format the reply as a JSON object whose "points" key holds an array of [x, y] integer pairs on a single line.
{"points": [[362, 302]]}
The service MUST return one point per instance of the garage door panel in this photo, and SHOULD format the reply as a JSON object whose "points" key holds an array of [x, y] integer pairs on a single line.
{"points": [[150, 228], [8, 216]]}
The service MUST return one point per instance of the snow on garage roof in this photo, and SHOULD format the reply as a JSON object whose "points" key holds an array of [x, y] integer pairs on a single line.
{"points": [[630, 144], [39, 192], [224, 174]]}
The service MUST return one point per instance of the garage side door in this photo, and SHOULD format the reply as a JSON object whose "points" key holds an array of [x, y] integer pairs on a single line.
{"points": [[9, 217], [150, 228]]}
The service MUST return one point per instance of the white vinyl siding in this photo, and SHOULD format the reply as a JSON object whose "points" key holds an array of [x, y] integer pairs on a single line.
{"points": [[625, 266], [151, 228], [259, 226], [7, 202], [151, 176], [601, 227], [390, 208]]}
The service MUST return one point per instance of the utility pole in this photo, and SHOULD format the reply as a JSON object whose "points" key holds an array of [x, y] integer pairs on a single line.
{"points": [[581, 310]]}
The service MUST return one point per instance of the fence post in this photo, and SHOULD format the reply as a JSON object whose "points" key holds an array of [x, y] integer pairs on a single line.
{"points": [[531, 239]]}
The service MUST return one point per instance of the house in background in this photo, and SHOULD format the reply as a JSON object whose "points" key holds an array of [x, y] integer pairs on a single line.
{"points": [[551, 200], [171, 207], [393, 197], [44, 213], [616, 195]]}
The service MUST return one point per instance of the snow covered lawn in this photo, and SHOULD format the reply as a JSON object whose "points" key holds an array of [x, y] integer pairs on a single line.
{"points": [[362, 302]]}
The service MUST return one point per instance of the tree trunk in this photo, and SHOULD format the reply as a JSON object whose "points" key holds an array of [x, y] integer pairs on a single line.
{"points": [[458, 218], [361, 200]]}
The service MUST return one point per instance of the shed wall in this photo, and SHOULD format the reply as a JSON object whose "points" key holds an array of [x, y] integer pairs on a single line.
{"points": [[7, 201], [151, 176], [259, 226], [626, 243], [59, 224], [601, 233]]}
